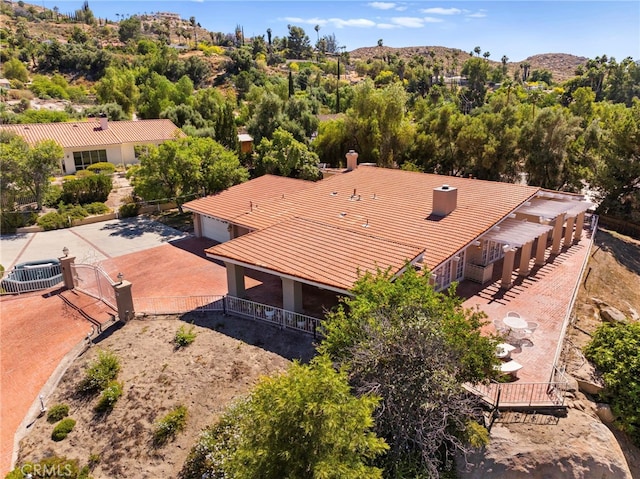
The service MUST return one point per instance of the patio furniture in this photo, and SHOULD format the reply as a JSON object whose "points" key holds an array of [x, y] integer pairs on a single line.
{"points": [[513, 314], [510, 367], [501, 328], [531, 328], [503, 350]]}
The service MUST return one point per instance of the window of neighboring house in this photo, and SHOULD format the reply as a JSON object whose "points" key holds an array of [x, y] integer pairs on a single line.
{"points": [[82, 159]]}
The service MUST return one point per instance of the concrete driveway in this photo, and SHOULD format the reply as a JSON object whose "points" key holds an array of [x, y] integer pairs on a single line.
{"points": [[88, 243]]}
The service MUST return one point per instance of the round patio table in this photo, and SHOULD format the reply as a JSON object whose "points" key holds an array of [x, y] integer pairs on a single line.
{"points": [[515, 323]]}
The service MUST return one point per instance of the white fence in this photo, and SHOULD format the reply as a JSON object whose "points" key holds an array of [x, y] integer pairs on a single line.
{"points": [[31, 276], [95, 282], [276, 316], [229, 305]]}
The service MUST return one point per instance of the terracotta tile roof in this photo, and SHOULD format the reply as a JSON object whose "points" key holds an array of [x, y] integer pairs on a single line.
{"points": [[319, 253], [395, 205], [87, 134], [237, 202]]}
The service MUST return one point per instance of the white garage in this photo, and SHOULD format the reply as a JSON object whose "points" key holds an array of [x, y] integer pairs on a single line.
{"points": [[215, 229]]}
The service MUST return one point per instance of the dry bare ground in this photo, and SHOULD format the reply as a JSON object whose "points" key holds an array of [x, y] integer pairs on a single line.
{"points": [[222, 364]]}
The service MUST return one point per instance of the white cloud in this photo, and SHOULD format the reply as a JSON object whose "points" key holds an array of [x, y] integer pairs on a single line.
{"points": [[480, 14], [432, 20], [382, 5], [401, 8], [352, 22], [308, 21], [386, 26], [441, 11], [409, 22]]}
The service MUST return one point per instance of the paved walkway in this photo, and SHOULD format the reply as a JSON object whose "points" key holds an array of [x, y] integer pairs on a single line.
{"points": [[543, 297]]}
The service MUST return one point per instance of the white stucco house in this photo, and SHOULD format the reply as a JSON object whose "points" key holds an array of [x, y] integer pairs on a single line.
{"points": [[97, 139]]}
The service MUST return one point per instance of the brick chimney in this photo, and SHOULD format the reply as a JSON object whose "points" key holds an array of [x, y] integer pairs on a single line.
{"points": [[352, 160], [104, 123], [445, 200]]}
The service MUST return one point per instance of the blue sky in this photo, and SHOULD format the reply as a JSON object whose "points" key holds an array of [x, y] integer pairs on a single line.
{"points": [[517, 29]]}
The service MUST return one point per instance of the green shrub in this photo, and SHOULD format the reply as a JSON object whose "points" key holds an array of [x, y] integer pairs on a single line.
{"points": [[52, 221], [83, 174], [103, 167], [57, 412], [72, 212], [170, 425], [100, 372], [128, 210], [62, 429], [184, 337], [109, 397], [87, 189], [96, 208], [615, 351], [52, 196], [11, 220]]}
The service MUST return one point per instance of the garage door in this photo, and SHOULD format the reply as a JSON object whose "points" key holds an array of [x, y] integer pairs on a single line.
{"points": [[215, 229]]}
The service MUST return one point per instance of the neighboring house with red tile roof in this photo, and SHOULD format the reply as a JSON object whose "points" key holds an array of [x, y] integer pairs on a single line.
{"points": [[96, 140], [327, 233]]}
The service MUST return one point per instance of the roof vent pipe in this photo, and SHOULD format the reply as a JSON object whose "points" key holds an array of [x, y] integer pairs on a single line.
{"points": [[352, 160], [445, 200]]}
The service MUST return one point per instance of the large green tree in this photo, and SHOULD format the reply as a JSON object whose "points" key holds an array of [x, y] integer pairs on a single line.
{"points": [[284, 155], [304, 423], [415, 348], [184, 167]]}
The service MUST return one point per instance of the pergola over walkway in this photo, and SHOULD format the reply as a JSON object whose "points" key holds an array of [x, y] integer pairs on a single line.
{"points": [[533, 221]]}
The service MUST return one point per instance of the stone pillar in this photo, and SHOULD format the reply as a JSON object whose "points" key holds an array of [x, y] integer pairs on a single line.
{"points": [[540, 249], [197, 225], [579, 226], [557, 234], [525, 258], [291, 295], [67, 272], [235, 280], [568, 234], [124, 300], [507, 268]]}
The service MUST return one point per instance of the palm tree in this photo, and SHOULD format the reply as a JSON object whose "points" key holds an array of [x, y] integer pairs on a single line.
{"points": [[317, 29], [504, 61], [477, 50], [486, 55], [269, 36]]}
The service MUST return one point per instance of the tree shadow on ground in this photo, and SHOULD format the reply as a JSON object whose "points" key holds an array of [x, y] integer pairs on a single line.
{"points": [[626, 252], [286, 343], [138, 226]]}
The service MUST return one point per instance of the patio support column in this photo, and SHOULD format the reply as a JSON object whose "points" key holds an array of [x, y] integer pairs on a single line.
{"points": [[235, 280], [541, 248], [579, 225], [557, 234], [568, 234], [67, 274], [525, 258], [291, 295], [197, 225], [507, 268]]}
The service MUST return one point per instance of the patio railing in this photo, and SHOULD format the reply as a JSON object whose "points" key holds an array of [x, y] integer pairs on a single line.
{"points": [[518, 394], [229, 305], [179, 304], [276, 316]]}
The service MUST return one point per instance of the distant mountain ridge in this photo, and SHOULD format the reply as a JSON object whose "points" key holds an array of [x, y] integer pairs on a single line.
{"points": [[561, 65]]}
